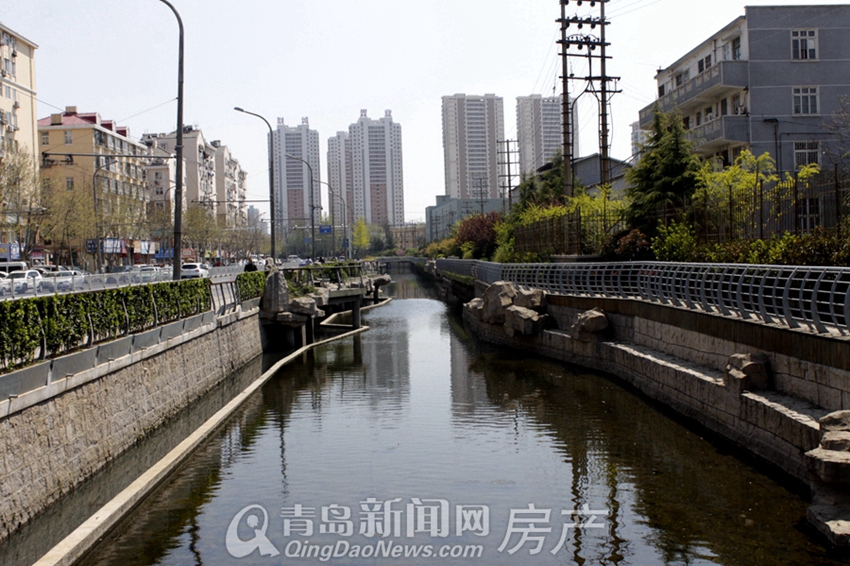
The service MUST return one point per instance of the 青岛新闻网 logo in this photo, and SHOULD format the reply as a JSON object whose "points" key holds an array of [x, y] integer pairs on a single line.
{"points": [[239, 548]]}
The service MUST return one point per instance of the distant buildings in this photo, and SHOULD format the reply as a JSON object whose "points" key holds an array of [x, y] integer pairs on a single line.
{"points": [[18, 119], [473, 131], [367, 162], [448, 211], [339, 175], [766, 82], [230, 188], [540, 133], [292, 176]]}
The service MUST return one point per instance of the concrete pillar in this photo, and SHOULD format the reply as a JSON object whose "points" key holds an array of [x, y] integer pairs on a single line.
{"points": [[310, 329], [355, 313]]}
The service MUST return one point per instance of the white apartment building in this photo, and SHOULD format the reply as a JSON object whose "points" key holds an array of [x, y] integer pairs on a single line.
{"points": [[540, 133], [18, 119], [230, 188], [473, 130], [339, 174], [199, 185], [292, 177], [375, 185]]}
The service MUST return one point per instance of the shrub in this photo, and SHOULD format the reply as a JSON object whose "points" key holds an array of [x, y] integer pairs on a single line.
{"points": [[634, 246], [676, 242], [251, 284]]}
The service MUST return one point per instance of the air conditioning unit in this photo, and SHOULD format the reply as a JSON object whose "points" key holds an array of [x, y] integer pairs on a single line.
{"points": [[2, 72], [2, 119], [14, 52], [16, 104], [740, 110]]}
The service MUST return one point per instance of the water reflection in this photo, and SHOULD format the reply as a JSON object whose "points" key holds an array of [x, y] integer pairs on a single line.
{"points": [[415, 413]]}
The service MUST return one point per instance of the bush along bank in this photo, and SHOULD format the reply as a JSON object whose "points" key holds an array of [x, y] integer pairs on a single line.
{"points": [[45, 327]]}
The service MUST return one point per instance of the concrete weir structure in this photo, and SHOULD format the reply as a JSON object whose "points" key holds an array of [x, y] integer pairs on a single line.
{"points": [[782, 394]]}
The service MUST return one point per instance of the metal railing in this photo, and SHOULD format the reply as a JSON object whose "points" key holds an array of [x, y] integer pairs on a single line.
{"points": [[817, 298]]}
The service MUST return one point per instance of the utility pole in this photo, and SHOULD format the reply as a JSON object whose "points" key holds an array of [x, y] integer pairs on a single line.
{"points": [[596, 84], [565, 104], [507, 186]]}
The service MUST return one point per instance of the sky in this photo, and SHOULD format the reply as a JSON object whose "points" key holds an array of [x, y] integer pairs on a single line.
{"points": [[328, 59]]}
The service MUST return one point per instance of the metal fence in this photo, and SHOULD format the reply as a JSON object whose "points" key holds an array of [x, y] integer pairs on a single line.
{"points": [[572, 234], [817, 298]]}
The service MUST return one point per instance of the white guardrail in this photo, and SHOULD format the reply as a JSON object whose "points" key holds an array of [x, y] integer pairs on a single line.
{"points": [[67, 283], [814, 297]]}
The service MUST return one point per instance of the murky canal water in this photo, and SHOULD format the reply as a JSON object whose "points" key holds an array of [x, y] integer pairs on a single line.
{"points": [[410, 444]]}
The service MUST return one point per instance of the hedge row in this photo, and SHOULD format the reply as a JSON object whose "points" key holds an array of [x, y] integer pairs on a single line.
{"points": [[44, 327], [251, 285]]}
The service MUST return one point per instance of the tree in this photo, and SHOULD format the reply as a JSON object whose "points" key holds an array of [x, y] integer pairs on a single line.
{"points": [[69, 220], [477, 235], [200, 228], [361, 235], [22, 211], [666, 175]]}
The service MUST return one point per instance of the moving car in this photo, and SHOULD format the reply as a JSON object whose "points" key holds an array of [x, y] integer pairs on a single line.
{"points": [[193, 271]]}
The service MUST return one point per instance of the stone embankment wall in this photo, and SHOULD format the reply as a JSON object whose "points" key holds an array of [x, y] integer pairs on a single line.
{"points": [[781, 394], [50, 447]]}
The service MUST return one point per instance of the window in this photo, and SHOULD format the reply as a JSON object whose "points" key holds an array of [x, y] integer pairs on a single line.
{"points": [[727, 52], [69, 183], [736, 49], [808, 211], [683, 77], [704, 64], [804, 44], [699, 119], [724, 107], [806, 153], [709, 114], [45, 138], [805, 100], [69, 138]]}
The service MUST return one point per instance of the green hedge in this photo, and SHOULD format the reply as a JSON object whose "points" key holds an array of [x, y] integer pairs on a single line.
{"points": [[44, 327], [251, 284]]}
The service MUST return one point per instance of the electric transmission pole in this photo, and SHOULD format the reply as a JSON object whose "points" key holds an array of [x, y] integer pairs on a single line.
{"points": [[565, 104]]}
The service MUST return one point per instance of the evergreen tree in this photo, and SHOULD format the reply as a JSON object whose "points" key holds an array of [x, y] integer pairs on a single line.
{"points": [[666, 174]]}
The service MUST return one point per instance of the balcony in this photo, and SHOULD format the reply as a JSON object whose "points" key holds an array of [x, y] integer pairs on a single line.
{"points": [[705, 88], [712, 136]]}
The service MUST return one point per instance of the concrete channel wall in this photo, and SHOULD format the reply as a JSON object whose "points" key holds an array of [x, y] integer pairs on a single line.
{"points": [[55, 437]]}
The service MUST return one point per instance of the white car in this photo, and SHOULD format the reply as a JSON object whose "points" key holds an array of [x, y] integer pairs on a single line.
{"points": [[193, 271], [25, 281]]}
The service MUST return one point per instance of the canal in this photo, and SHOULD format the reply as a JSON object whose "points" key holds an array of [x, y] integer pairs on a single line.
{"points": [[412, 444]]}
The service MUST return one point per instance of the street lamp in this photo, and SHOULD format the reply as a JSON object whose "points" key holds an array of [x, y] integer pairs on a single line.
{"points": [[312, 207], [344, 214], [271, 173], [178, 191]]}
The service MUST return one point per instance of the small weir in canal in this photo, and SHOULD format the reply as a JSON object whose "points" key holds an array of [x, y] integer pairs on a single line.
{"points": [[412, 444]]}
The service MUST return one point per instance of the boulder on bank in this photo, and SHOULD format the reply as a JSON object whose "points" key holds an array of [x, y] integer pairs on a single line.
{"points": [[749, 372], [275, 294], [305, 306], [475, 307], [588, 325], [382, 280], [533, 299], [497, 298], [523, 321]]}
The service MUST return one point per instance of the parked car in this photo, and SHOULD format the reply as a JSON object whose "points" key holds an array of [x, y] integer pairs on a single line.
{"points": [[26, 281], [193, 271], [56, 281], [150, 273]]}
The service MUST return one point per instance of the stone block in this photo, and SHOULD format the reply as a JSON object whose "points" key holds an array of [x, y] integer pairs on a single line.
{"points": [[73, 364], [144, 340], [23, 380], [522, 320], [832, 521], [497, 298], [114, 349], [276, 293], [474, 307], [837, 440], [533, 299]]}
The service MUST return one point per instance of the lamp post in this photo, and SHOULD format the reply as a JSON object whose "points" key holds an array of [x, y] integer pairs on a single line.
{"points": [[312, 206], [178, 149], [271, 174], [344, 213]]}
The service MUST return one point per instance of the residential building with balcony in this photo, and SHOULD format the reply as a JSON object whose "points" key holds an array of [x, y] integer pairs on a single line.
{"points": [[339, 175], [81, 150], [199, 184], [292, 181], [18, 119], [231, 188], [473, 129], [769, 81], [540, 132]]}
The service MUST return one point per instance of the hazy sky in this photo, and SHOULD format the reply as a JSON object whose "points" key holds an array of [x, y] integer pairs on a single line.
{"points": [[328, 59]]}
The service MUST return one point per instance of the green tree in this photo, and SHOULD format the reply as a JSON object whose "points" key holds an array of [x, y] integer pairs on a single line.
{"points": [[361, 235], [23, 210], [666, 175]]}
